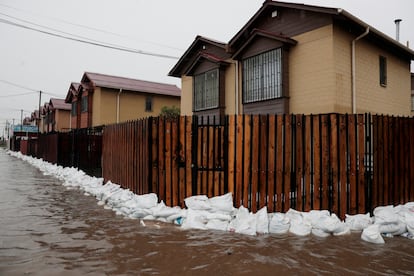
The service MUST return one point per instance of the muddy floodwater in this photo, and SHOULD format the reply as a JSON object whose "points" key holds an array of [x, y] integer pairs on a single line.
{"points": [[46, 229]]}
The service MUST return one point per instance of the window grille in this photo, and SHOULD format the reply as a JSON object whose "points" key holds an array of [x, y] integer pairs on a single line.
{"points": [[206, 90], [262, 77]]}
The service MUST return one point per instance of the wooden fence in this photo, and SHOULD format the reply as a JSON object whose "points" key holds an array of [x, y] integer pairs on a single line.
{"points": [[80, 148], [343, 163]]}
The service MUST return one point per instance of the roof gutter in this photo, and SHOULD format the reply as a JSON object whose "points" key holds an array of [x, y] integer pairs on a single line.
{"points": [[354, 98]]}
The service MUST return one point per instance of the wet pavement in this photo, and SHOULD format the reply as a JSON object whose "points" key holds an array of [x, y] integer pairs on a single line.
{"points": [[46, 229]]}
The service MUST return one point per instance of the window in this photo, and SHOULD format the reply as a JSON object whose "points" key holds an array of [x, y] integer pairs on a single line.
{"points": [[412, 102], [148, 104], [262, 77], [383, 71], [84, 105], [74, 108], [206, 90]]}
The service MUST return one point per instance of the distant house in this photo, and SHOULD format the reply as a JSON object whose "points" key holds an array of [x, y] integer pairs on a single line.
{"points": [[103, 99], [296, 58], [58, 115]]}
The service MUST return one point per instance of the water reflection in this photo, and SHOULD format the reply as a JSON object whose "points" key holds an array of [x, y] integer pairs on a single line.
{"points": [[46, 229]]}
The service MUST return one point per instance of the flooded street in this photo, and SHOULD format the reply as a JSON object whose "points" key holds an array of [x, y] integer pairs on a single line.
{"points": [[46, 229]]}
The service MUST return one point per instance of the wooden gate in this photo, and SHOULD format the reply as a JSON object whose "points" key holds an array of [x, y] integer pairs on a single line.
{"points": [[209, 156]]}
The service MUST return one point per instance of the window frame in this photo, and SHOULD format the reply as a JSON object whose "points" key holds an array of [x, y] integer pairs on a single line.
{"points": [[149, 104], [84, 104], [262, 83], [74, 109], [383, 71], [202, 99]]}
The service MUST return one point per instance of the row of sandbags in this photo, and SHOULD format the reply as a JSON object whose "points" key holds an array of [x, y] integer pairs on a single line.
{"points": [[218, 212]]}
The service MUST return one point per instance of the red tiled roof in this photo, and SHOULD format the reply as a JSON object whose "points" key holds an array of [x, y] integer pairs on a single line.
{"points": [[101, 80], [60, 104]]}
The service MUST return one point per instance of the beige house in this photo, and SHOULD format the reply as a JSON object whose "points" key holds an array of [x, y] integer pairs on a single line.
{"points": [[103, 99], [56, 116], [296, 58]]}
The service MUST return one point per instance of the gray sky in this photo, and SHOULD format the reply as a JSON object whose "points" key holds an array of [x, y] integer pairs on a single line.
{"points": [[38, 61]]}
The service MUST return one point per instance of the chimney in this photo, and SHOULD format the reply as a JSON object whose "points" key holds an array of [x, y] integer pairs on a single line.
{"points": [[397, 31]]}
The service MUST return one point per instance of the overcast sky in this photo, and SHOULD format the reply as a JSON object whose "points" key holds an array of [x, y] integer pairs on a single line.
{"points": [[37, 61]]}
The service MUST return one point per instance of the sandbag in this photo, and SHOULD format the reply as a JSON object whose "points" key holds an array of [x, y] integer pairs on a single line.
{"points": [[372, 234], [198, 202], [279, 224], [222, 203], [217, 224], [358, 222], [262, 221], [244, 222], [195, 220], [385, 215]]}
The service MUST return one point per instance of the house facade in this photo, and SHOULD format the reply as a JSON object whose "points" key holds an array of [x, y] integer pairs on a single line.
{"points": [[295, 58], [56, 116], [103, 99]]}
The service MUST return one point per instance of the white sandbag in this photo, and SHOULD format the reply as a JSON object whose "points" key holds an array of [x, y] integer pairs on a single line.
{"points": [[385, 215], [409, 220], [198, 202], [342, 229], [218, 216], [300, 228], [394, 229], [320, 233], [262, 221], [161, 210], [298, 225], [279, 224], [196, 219], [222, 203], [244, 223], [328, 223], [217, 224], [146, 201], [139, 213], [372, 234], [358, 222]]}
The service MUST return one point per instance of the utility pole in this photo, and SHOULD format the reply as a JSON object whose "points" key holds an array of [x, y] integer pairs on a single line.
{"points": [[40, 100], [21, 120]]}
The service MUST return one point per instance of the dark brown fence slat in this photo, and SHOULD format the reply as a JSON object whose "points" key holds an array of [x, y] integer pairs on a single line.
{"points": [[361, 208], [343, 155], [231, 154], [352, 174], [263, 157], [325, 147], [255, 140], [287, 164], [334, 181], [317, 162], [299, 162], [308, 164], [279, 163], [271, 152]]}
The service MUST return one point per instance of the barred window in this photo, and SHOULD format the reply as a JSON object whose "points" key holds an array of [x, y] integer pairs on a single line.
{"points": [[262, 77], [206, 90], [74, 108]]}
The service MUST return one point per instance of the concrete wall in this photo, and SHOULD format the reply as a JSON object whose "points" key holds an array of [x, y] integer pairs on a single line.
{"points": [[62, 119], [186, 96], [131, 105], [311, 72]]}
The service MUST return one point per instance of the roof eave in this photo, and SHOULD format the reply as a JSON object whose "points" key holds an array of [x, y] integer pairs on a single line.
{"points": [[388, 39]]}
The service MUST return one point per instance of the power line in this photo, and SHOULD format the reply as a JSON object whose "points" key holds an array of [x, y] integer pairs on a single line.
{"points": [[17, 95], [18, 85], [92, 28], [100, 44]]}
